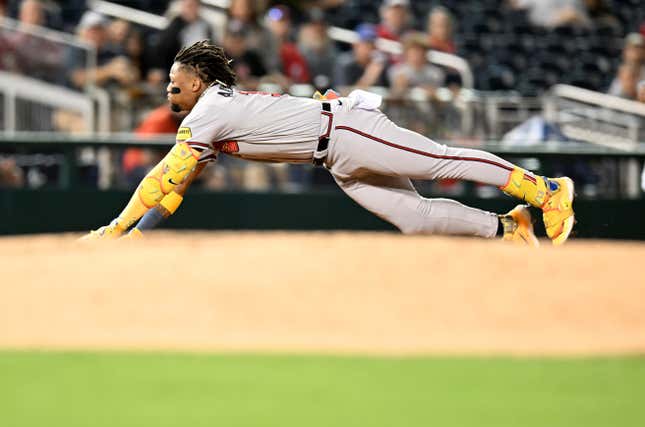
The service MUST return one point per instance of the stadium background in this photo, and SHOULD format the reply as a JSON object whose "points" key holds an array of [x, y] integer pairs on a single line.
{"points": [[359, 327]]}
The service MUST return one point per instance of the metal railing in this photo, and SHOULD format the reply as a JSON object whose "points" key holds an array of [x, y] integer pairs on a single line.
{"points": [[600, 119], [14, 87], [595, 117], [29, 96], [42, 53], [129, 14], [503, 111], [34, 79]]}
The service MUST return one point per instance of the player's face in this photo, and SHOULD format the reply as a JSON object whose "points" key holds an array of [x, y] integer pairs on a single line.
{"points": [[184, 88]]}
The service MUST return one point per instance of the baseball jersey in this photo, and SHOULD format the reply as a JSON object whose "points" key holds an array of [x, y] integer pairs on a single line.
{"points": [[252, 125]]}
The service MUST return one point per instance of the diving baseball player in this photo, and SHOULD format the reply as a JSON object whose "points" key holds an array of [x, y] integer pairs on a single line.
{"points": [[371, 158]]}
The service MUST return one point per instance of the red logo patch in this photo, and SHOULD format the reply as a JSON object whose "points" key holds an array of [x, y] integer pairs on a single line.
{"points": [[227, 146]]}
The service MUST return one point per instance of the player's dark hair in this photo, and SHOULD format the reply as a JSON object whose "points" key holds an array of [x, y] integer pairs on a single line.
{"points": [[208, 61]]}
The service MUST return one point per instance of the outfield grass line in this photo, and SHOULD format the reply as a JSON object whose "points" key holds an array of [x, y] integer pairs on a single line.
{"points": [[142, 389]]}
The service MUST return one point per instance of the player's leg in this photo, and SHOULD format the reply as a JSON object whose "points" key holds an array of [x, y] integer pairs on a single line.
{"points": [[159, 182], [395, 200], [368, 140]]}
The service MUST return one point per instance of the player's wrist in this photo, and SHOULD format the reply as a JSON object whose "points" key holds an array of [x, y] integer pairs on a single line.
{"points": [[150, 220]]}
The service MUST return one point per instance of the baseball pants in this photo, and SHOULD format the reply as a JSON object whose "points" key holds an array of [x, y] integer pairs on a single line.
{"points": [[372, 160]]}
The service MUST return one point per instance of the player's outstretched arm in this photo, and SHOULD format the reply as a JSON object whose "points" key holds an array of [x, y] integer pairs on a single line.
{"points": [[169, 173], [166, 207]]}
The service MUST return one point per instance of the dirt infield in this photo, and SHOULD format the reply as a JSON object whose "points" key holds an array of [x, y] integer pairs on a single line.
{"points": [[329, 292]]}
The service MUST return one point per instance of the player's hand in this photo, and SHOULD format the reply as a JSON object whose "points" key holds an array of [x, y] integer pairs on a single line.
{"points": [[110, 231]]}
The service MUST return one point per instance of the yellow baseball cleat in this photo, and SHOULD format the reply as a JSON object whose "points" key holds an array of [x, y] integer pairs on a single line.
{"points": [[111, 231], [518, 227], [134, 234], [557, 211]]}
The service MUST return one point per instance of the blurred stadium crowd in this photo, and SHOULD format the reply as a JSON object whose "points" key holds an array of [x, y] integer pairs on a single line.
{"points": [[523, 46]]}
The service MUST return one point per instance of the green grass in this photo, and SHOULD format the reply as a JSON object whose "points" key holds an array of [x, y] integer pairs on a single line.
{"points": [[122, 390]]}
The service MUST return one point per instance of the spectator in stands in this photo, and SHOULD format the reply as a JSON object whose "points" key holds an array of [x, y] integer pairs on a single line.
{"points": [[280, 53], [247, 63], [136, 162], [626, 81], [415, 71], [35, 56], [395, 19], [50, 11], [634, 57], [634, 50], [32, 13], [330, 8], [111, 68], [11, 176], [440, 30], [125, 40], [326, 5], [161, 120], [246, 13], [318, 49], [184, 29], [7, 61], [113, 72], [554, 13], [364, 65], [134, 48], [117, 33], [143, 93]]}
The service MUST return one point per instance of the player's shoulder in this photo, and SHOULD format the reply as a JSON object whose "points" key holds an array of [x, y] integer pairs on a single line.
{"points": [[217, 94], [214, 98], [214, 106]]}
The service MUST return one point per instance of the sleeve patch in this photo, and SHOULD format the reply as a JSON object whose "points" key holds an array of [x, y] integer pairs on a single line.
{"points": [[228, 147], [184, 134]]}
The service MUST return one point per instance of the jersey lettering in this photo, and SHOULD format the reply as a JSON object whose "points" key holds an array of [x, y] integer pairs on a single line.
{"points": [[225, 91]]}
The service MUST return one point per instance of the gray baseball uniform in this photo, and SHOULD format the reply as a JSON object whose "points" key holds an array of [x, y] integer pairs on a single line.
{"points": [[371, 158]]}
